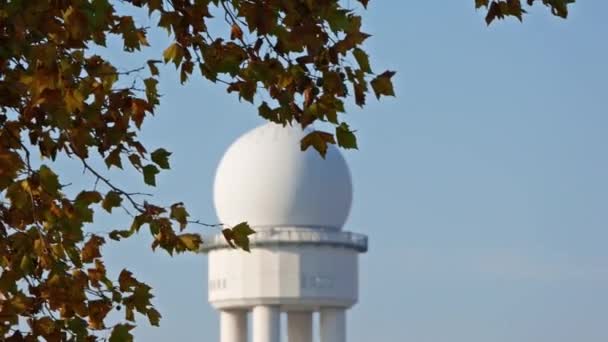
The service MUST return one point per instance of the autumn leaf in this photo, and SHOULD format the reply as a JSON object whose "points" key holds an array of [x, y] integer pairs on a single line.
{"points": [[90, 251], [481, 3], [114, 159], [179, 213], [383, 85], [236, 32], [240, 235], [112, 200], [126, 281], [174, 53], [154, 317], [152, 66], [48, 180], [121, 333], [362, 60], [192, 242], [319, 140], [346, 138]]}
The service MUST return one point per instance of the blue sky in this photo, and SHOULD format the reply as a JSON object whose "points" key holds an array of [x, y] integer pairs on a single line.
{"points": [[482, 186]]}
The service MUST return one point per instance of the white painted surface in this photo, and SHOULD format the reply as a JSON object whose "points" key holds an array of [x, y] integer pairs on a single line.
{"points": [[266, 323], [233, 326], [299, 326], [295, 277], [264, 178], [332, 325]]}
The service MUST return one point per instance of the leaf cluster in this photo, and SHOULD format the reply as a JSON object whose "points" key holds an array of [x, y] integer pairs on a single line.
{"points": [[500, 9]]}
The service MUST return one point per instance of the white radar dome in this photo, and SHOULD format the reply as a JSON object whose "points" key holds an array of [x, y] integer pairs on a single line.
{"points": [[265, 179]]}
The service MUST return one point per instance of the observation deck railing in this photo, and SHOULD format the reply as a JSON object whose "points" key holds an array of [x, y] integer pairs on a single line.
{"points": [[294, 236]]}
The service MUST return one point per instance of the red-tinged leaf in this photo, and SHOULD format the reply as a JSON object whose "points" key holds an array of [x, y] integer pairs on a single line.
{"points": [[364, 3], [90, 251], [236, 32], [126, 281], [481, 3], [229, 236]]}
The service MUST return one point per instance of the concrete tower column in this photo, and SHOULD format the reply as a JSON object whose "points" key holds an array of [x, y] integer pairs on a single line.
{"points": [[233, 326], [299, 326], [266, 323], [333, 325]]}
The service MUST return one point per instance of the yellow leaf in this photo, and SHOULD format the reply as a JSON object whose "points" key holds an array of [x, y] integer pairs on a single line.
{"points": [[73, 100]]}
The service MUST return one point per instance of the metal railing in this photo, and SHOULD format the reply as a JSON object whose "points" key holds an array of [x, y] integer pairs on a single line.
{"points": [[295, 236]]}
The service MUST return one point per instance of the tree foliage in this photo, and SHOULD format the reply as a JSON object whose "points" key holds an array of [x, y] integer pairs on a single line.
{"points": [[59, 98], [500, 9]]}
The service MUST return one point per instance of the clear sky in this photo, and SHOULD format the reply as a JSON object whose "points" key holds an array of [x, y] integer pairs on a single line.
{"points": [[482, 186]]}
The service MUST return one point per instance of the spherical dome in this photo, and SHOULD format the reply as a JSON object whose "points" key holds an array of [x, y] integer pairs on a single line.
{"points": [[265, 179]]}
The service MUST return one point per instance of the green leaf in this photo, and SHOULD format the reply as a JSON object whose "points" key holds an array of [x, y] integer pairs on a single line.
{"points": [[240, 235], [152, 66], [319, 140], [112, 200], [78, 326], [161, 158], [150, 171], [243, 228], [114, 159], [139, 221], [48, 180], [86, 198], [121, 333], [229, 236], [26, 265], [383, 85], [362, 60], [151, 90], [118, 234], [346, 137], [179, 214]]}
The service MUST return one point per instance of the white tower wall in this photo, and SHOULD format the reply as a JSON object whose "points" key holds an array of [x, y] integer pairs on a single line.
{"points": [[295, 277]]}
